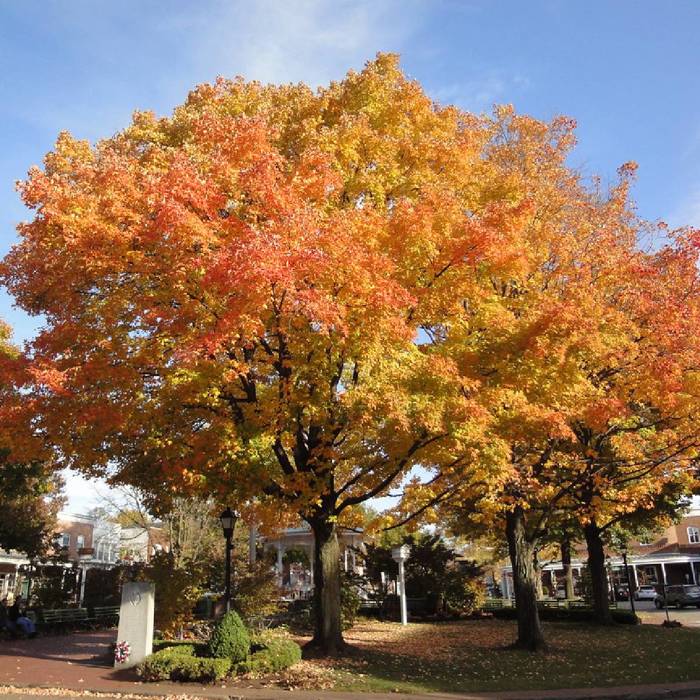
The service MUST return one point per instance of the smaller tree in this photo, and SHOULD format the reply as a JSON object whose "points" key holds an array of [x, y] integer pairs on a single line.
{"points": [[177, 590], [432, 572]]}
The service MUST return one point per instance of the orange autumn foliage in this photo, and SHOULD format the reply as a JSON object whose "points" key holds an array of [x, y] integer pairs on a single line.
{"points": [[294, 298]]}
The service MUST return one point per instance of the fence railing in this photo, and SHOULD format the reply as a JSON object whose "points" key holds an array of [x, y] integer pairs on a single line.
{"points": [[498, 603]]}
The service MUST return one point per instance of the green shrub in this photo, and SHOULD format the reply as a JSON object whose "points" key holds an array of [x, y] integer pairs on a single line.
{"points": [[349, 602], [178, 663], [300, 613], [463, 594], [271, 655], [623, 617], [194, 648], [230, 639], [202, 670], [159, 666]]}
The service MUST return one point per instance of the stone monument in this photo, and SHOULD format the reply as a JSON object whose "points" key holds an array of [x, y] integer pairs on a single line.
{"points": [[136, 622]]}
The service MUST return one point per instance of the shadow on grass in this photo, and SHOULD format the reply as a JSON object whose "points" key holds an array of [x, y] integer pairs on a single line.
{"points": [[478, 656]]}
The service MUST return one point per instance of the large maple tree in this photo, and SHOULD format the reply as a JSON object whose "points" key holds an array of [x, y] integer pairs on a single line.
{"points": [[233, 296]]}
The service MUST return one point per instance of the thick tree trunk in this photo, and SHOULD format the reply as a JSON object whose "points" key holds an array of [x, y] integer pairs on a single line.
{"points": [[522, 558], [596, 568], [568, 571], [328, 634]]}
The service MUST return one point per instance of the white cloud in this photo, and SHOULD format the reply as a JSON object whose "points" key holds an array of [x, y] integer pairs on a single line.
{"points": [[480, 94], [83, 494], [130, 55], [307, 40]]}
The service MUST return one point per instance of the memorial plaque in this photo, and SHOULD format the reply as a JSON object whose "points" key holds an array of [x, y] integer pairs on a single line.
{"points": [[136, 622]]}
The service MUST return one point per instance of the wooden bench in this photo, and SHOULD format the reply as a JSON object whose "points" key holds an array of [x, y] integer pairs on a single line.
{"points": [[63, 618], [104, 615]]}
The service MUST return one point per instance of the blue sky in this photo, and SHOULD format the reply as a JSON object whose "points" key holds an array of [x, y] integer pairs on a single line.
{"points": [[627, 71]]}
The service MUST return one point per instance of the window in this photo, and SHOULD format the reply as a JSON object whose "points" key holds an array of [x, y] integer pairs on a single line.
{"points": [[65, 540], [647, 575], [80, 541], [694, 535]]}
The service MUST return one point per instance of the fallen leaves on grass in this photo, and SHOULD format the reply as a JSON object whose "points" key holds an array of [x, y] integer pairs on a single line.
{"points": [[476, 655], [305, 675], [62, 692]]}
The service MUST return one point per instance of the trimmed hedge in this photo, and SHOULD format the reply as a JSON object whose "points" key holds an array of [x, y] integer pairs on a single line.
{"points": [[623, 617], [178, 663], [202, 670], [230, 639], [196, 648], [270, 656]]}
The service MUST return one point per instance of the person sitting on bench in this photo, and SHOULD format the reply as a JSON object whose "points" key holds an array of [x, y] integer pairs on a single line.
{"points": [[5, 623], [16, 615]]}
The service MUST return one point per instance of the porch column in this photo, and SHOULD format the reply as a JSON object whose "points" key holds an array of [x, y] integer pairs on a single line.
{"points": [[634, 576], [692, 573], [280, 555], [83, 578], [663, 573], [345, 559], [252, 541]]}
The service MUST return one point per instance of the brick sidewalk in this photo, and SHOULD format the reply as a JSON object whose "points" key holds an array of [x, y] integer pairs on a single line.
{"points": [[69, 661], [79, 662]]}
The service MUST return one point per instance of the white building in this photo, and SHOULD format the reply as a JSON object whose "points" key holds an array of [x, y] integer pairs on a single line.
{"points": [[296, 579]]}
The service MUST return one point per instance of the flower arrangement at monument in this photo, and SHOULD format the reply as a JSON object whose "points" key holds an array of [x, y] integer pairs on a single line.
{"points": [[122, 651]]}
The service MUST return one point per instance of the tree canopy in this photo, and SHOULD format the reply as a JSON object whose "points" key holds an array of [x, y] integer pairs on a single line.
{"points": [[294, 297]]}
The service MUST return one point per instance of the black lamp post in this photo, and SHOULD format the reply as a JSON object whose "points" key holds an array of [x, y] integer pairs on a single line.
{"points": [[630, 592], [228, 523], [611, 578]]}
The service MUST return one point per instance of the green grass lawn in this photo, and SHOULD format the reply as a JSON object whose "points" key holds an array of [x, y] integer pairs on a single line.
{"points": [[474, 655]]}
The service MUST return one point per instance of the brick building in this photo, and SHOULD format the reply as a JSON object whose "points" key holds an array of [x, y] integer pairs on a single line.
{"points": [[82, 541]]}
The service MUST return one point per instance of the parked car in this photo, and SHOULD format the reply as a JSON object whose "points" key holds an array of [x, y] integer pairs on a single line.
{"points": [[679, 596], [622, 592], [645, 593]]}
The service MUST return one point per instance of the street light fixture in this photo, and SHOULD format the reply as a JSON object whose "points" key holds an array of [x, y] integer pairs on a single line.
{"points": [[611, 578], [399, 555], [228, 523]]}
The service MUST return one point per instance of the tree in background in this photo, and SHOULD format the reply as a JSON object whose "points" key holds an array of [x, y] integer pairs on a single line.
{"points": [[433, 572], [31, 492], [639, 437], [592, 397], [190, 562]]}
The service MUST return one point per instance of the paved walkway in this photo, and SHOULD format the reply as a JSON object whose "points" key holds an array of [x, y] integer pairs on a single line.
{"points": [[80, 662], [689, 617]]}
